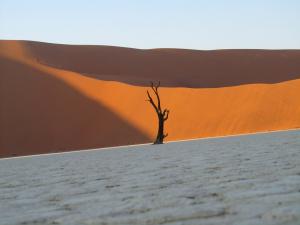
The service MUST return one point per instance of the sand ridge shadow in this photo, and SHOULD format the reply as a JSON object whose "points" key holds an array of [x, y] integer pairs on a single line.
{"points": [[40, 114]]}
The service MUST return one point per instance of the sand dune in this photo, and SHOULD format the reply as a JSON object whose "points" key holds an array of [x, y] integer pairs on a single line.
{"points": [[174, 67], [57, 97]]}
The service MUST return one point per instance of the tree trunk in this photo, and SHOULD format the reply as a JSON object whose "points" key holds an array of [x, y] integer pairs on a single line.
{"points": [[160, 133], [162, 115]]}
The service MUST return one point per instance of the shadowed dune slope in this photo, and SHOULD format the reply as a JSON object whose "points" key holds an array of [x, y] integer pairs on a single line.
{"points": [[42, 114], [48, 103], [174, 67]]}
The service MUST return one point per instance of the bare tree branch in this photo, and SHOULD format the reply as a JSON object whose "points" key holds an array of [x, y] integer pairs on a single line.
{"points": [[152, 102], [166, 114], [155, 90], [162, 115]]}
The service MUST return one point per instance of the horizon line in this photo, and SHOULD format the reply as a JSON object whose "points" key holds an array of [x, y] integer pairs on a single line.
{"points": [[155, 48]]}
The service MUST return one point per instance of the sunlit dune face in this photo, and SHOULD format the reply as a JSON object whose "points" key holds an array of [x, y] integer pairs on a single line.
{"points": [[127, 118]]}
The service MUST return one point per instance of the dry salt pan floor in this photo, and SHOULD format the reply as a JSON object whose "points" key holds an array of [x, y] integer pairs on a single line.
{"points": [[241, 180]]}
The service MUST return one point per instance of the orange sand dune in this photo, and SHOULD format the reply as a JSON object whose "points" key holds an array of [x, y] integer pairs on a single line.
{"points": [[47, 106], [174, 67]]}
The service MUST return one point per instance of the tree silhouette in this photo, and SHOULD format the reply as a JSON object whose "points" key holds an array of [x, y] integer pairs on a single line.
{"points": [[162, 115]]}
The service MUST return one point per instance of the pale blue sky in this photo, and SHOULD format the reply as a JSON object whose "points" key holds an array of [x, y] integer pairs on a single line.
{"points": [[196, 24]]}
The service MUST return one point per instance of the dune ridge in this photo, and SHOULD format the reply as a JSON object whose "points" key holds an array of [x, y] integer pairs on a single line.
{"points": [[174, 67], [58, 97]]}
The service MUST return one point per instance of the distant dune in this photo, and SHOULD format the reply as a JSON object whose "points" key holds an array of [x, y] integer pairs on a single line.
{"points": [[62, 97]]}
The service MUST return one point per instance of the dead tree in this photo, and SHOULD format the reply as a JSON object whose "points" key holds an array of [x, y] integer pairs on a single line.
{"points": [[162, 115]]}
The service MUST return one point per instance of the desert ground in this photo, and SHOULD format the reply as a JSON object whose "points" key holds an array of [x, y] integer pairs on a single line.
{"points": [[58, 97], [242, 180]]}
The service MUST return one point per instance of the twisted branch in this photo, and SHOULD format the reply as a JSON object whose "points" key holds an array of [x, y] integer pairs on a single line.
{"points": [[162, 115]]}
